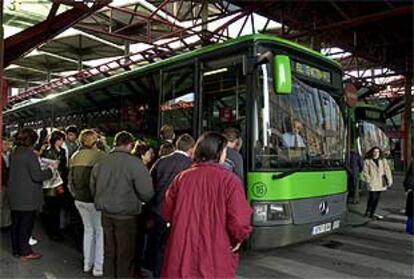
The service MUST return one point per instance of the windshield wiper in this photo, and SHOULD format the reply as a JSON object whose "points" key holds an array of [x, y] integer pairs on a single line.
{"points": [[287, 173]]}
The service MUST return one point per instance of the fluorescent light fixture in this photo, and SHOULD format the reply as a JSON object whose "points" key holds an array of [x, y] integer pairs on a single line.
{"points": [[215, 72], [51, 96]]}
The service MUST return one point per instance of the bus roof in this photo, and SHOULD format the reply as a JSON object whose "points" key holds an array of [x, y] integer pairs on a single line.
{"points": [[179, 58]]}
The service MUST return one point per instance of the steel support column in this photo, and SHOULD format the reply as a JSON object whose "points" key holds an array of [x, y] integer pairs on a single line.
{"points": [[1, 89], [408, 118], [204, 19]]}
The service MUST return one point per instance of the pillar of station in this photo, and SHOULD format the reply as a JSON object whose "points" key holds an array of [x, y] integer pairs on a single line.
{"points": [[204, 26], [127, 48], [409, 127], [1, 88], [316, 42]]}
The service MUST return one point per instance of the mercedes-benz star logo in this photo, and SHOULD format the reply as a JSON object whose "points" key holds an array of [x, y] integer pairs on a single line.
{"points": [[323, 208]]}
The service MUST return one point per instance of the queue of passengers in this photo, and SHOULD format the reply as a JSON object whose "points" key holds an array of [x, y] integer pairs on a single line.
{"points": [[190, 202]]}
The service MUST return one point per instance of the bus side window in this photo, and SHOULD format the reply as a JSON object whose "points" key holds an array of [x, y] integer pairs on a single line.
{"points": [[177, 99]]}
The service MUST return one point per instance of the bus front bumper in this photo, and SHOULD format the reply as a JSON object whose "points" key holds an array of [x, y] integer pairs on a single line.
{"points": [[276, 236]]}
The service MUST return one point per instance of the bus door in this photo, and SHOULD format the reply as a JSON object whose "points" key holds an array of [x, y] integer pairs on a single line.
{"points": [[177, 98], [223, 96]]}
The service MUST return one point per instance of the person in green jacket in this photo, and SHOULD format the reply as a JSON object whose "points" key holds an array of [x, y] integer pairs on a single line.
{"points": [[81, 165]]}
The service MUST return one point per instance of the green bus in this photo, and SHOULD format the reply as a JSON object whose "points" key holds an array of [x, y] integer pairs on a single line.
{"points": [[367, 129], [284, 98]]}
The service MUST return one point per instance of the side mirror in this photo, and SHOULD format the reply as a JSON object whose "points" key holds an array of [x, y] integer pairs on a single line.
{"points": [[282, 74]]}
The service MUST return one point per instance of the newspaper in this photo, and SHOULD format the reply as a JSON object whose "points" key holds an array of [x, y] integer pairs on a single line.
{"points": [[56, 180]]}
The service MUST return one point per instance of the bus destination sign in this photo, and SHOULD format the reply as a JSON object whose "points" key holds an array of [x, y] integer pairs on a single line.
{"points": [[364, 113], [312, 72]]}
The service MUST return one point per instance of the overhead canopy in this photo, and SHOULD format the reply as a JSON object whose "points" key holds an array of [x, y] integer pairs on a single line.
{"points": [[82, 47], [83, 99], [47, 62], [24, 74], [19, 83]]}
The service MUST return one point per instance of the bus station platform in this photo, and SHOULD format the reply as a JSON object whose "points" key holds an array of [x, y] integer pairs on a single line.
{"points": [[64, 259], [392, 203]]}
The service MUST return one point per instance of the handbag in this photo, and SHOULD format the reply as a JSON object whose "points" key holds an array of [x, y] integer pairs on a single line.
{"points": [[385, 181]]}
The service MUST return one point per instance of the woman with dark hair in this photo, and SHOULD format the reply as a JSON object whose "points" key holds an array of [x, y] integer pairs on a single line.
{"points": [[377, 174], [208, 213], [25, 192], [409, 190], [145, 152], [55, 198]]}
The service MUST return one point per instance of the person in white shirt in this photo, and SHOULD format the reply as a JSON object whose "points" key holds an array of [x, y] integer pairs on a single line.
{"points": [[293, 139]]}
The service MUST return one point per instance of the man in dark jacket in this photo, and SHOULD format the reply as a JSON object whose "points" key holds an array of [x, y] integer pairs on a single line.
{"points": [[355, 165], [163, 172], [120, 183], [71, 143], [234, 160]]}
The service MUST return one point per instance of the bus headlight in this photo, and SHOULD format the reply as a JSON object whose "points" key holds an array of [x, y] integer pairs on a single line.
{"points": [[260, 213], [268, 213]]}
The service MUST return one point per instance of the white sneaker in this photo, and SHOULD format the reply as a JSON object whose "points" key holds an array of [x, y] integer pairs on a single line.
{"points": [[379, 217], [33, 241], [87, 268], [97, 272]]}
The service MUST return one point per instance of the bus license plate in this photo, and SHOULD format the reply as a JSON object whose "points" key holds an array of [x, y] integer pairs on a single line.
{"points": [[327, 227]]}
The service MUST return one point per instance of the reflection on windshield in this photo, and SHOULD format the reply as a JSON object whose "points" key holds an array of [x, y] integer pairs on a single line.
{"points": [[372, 136], [302, 129]]}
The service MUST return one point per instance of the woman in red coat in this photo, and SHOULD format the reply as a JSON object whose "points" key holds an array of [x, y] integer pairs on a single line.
{"points": [[209, 216]]}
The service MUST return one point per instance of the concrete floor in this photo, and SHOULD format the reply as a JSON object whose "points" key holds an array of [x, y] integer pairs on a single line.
{"points": [[364, 249]]}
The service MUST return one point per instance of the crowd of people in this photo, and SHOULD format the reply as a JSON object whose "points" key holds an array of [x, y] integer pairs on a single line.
{"points": [[182, 208], [178, 209]]}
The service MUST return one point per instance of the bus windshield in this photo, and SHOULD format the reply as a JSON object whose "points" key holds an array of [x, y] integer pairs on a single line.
{"points": [[372, 136], [303, 129]]}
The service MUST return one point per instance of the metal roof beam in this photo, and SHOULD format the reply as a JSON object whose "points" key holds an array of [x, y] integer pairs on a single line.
{"points": [[339, 10], [405, 10], [53, 11], [19, 44]]}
